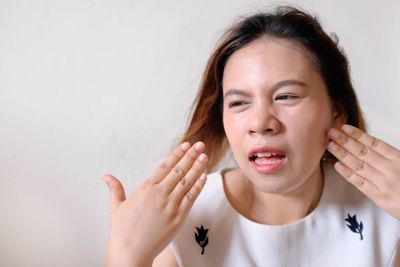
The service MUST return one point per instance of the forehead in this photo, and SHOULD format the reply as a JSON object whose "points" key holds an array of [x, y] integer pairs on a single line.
{"points": [[271, 59]]}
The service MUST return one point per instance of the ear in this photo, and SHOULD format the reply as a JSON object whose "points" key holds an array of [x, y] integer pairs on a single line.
{"points": [[339, 115]]}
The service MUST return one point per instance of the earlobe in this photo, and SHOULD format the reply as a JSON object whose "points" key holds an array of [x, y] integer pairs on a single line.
{"points": [[339, 116]]}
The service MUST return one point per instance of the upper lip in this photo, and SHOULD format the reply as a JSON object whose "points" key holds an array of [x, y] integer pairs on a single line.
{"points": [[265, 149]]}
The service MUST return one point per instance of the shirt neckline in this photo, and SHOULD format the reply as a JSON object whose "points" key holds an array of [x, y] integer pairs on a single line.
{"points": [[326, 169]]}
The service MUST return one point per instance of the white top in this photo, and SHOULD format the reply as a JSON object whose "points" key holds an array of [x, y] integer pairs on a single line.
{"points": [[323, 238]]}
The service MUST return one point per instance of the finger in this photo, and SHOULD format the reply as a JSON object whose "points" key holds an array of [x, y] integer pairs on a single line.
{"points": [[186, 183], [360, 152], [166, 166], [182, 167], [191, 195], [362, 184], [117, 192], [371, 142], [357, 166]]}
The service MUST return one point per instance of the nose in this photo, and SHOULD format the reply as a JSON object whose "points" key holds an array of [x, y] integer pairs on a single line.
{"points": [[264, 121]]}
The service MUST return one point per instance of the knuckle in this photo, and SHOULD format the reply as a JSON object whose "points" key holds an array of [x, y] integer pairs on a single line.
{"points": [[360, 167], [171, 212], [162, 192], [360, 182], [192, 155], [374, 142], [196, 190], [184, 182], [363, 152], [337, 150], [158, 191], [179, 171], [190, 197], [158, 201], [165, 165]]}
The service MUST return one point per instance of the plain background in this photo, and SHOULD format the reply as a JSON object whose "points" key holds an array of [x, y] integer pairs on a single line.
{"points": [[88, 87]]}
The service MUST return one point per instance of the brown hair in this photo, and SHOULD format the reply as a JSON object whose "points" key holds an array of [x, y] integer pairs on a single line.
{"points": [[288, 23]]}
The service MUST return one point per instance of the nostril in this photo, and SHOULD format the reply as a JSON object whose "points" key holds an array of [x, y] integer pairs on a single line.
{"points": [[268, 130]]}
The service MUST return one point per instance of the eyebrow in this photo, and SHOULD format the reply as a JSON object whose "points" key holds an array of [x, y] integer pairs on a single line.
{"points": [[274, 88]]}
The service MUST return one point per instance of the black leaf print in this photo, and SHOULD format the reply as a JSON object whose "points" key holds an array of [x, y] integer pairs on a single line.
{"points": [[354, 226], [201, 237]]}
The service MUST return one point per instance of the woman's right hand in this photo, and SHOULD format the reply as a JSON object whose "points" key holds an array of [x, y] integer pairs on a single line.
{"points": [[143, 224]]}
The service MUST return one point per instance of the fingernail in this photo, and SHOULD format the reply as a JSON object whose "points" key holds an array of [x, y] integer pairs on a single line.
{"points": [[339, 166], [347, 128], [203, 177], [199, 146], [185, 146], [332, 146], [202, 157], [334, 133]]}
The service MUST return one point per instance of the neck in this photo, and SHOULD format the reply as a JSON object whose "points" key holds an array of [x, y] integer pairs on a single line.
{"points": [[273, 209], [279, 209]]}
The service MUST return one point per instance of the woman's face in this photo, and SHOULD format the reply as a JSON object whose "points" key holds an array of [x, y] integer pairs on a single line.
{"points": [[276, 114]]}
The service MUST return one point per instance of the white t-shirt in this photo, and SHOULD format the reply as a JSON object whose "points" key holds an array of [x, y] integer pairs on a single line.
{"points": [[345, 229]]}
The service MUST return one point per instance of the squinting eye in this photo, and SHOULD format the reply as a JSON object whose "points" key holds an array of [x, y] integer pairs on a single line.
{"points": [[236, 103], [285, 97]]}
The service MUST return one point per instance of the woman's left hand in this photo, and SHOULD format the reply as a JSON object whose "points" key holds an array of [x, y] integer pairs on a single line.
{"points": [[370, 164]]}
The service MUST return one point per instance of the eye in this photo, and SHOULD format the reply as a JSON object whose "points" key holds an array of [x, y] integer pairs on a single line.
{"points": [[236, 104], [286, 97]]}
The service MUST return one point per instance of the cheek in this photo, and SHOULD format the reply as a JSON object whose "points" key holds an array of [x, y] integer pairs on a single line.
{"points": [[233, 130], [310, 125], [229, 127]]}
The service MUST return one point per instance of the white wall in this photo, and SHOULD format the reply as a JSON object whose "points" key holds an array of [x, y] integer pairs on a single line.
{"points": [[88, 87]]}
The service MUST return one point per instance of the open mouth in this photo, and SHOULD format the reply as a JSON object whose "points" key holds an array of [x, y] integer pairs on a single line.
{"points": [[266, 157], [267, 160]]}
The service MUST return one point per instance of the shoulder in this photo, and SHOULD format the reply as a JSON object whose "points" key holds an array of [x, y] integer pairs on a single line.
{"points": [[212, 193], [342, 198], [216, 193], [208, 217]]}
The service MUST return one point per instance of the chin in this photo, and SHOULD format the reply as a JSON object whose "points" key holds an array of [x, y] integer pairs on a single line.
{"points": [[282, 181], [277, 185]]}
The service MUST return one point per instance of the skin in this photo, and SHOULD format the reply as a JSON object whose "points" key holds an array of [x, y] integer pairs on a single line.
{"points": [[297, 118], [142, 225], [274, 96], [370, 164]]}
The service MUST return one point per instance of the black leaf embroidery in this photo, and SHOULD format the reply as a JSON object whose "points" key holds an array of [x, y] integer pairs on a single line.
{"points": [[354, 225], [201, 237]]}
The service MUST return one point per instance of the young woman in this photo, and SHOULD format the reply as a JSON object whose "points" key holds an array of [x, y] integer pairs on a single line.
{"points": [[277, 93]]}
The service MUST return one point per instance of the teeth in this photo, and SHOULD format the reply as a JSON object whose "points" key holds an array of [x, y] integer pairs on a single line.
{"points": [[266, 154]]}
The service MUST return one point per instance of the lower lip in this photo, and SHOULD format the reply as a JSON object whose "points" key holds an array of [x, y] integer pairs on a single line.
{"points": [[270, 167]]}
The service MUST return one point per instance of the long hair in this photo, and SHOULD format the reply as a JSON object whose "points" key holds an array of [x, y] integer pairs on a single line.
{"points": [[287, 23]]}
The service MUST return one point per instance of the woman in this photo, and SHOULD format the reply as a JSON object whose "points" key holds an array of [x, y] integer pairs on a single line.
{"points": [[277, 92]]}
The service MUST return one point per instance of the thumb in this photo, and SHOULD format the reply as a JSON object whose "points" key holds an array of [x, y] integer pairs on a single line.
{"points": [[117, 191]]}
